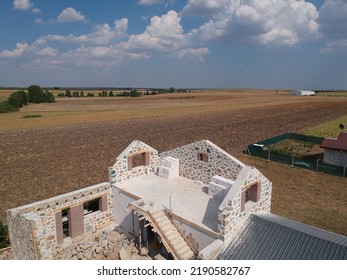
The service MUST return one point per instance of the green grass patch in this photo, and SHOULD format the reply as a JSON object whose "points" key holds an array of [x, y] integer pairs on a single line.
{"points": [[332, 93], [329, 129], [31, 116], [182, 97], [300, 149]]}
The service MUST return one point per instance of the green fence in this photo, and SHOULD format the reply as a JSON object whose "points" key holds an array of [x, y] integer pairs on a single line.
{"points": [[260, 149]]}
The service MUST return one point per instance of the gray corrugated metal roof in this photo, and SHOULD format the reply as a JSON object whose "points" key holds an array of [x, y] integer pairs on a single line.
{"points": [[270, 237]]}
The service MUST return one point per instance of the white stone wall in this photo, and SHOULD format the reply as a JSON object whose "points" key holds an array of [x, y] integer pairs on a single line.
{"points": [[230, 215], [119, 172], [21, 234], [335, 157], [219, 162], [122, 215], [196, 237], [32, 227]]}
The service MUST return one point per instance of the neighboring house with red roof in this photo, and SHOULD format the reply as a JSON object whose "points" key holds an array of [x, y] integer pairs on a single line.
{"points": [[335, 150]]}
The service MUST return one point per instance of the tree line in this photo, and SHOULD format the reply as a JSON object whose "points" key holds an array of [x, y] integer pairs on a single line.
{"points": [[20, 98], [130, 92]]}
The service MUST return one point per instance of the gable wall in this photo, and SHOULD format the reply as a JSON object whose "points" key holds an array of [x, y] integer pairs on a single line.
{"points": [[219, 162], [230, 214], [119, 171]]}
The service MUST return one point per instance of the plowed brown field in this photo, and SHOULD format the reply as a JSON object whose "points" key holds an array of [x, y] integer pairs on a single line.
{"points": [[75, 141]]}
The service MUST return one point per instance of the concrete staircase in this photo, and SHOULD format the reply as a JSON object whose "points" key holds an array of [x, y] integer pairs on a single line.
{"points": [[171, 238]]}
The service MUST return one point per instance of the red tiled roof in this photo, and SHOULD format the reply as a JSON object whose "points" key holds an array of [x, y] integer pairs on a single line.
{"points": [[337, 144]]}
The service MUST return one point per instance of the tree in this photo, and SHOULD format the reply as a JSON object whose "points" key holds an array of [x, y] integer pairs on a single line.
{"points": [[37, 95], [172, 90], [18, 99], [135, 93], [5, 107], [68, 93], [48, 97], [24, 97]]}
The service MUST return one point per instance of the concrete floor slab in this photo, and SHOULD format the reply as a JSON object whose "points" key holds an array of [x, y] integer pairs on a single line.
{"points": [[189, 199]]}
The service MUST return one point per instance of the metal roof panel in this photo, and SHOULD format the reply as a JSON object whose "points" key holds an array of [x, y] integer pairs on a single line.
{"points": [[271, 237]]}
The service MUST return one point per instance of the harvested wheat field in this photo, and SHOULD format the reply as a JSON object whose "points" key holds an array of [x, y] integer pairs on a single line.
{"points": [[75, 140]]}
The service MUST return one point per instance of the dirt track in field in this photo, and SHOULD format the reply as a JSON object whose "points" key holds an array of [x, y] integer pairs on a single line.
{"points": [[39, 163]]}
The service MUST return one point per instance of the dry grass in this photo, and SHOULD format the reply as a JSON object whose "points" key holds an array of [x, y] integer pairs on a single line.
{"points": [[96, 109], [306, 196], [5, 93]]}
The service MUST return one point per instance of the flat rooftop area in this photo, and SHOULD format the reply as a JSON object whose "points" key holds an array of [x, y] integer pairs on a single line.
{"points": [[189, 199]]}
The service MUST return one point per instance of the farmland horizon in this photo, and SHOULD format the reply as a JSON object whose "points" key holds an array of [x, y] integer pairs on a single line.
{"points": [[73, 87]]}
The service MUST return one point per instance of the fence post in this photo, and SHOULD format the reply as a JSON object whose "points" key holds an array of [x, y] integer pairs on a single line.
{"points": [[268, 157], [317, 164], [344, 170], [293, 160]]}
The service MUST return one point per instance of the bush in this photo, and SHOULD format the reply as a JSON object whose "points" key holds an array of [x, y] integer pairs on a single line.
{"points": [[18, 99], [5, 107], [31, 116], [4, 242]]}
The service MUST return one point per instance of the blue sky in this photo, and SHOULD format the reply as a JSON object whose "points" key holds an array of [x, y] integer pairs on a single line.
{"points": [[179, 43]]}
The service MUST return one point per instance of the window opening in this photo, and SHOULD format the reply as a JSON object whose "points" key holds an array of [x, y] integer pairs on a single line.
{"points": [[202, 157], [136, 160], [250, 196], [91, 206], [65, 222]]}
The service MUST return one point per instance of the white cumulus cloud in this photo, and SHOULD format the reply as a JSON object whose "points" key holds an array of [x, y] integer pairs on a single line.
{"points": [[36, 11], [261, 22], [22, 5], [194, 54], [102, 34], [203, 7], [98, 56], [48, 51], [19, 51], [151, 2], [70, 15], [164, 33]]}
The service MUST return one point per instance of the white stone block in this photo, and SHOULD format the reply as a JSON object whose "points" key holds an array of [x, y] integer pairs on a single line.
{"points": [[169, 168], [228, 183], [217, 191]]}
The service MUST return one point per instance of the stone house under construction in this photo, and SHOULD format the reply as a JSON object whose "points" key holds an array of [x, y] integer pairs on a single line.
{"points": [[195, 201]]}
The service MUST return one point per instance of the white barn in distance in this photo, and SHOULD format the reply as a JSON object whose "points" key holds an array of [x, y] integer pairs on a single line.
{"points": [[303, 92]]}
